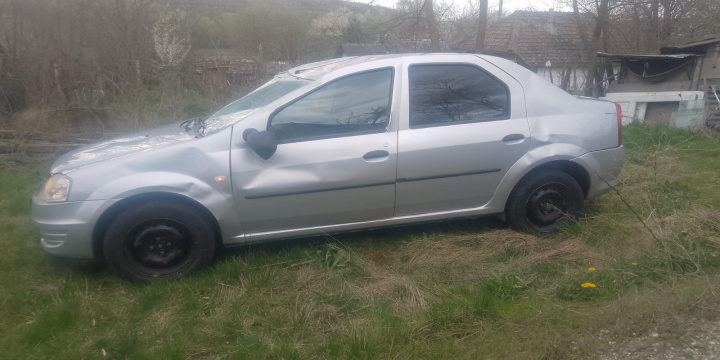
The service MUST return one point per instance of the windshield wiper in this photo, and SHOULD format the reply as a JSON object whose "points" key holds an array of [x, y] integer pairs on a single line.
{"points": [[197, 125]]}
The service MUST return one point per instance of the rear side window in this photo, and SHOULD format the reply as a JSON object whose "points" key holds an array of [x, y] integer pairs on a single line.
{"points": [[447, 94], [353, 105]]}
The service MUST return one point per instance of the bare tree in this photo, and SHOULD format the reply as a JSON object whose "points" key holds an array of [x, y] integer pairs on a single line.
{"points": [[482, 26], [280, 26], [653, 39], [432, 25], [591, 46], [170, 42], [650, 24], [98, 54]]}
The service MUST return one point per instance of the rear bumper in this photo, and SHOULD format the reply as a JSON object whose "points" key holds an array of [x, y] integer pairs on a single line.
{"points": [[66, 229], [604, 167]]}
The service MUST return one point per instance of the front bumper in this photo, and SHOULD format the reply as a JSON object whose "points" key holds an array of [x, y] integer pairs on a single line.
{"points": [[66, 229]]}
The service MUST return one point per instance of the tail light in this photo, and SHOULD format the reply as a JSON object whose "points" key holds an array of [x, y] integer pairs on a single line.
{"points": [[619, 123]]}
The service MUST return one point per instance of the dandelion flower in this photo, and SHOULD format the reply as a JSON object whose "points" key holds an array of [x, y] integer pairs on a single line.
{"points": [[713, 255], [591, 269], [331, 294], [587, 285], [634, 264]]}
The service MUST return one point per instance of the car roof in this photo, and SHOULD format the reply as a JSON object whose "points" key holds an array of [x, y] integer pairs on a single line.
{"points": [[314, 71]]}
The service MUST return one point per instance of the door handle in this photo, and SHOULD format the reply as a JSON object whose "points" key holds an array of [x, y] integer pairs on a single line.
{"points": [[377, 154], [513, 138]]}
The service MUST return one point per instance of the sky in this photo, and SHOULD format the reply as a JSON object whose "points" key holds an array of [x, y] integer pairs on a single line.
{"points": [[508, 5]]}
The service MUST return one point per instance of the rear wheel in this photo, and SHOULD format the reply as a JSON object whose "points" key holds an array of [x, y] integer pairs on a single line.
{"points": [[541, 204], [155, 241]]}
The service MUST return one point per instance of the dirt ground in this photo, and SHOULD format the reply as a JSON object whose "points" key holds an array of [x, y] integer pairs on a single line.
{"points": [[694, 339]]}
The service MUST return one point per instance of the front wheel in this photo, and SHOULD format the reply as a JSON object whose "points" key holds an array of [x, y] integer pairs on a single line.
{"points": [[158, 240], [541, 204]]}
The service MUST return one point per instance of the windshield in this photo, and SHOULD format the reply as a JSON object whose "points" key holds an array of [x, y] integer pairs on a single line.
{"points": [[246, 105]]}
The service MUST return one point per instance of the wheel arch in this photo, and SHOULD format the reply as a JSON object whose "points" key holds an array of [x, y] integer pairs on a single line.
{"points": [[575, 170], [104, 220]]}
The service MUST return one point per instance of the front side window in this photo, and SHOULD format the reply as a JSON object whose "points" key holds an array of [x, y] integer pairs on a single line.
{"points": [[446, 94], [356, 104]]}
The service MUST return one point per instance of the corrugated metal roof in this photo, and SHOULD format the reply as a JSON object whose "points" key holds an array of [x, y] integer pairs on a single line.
{"points": [[700, 45], [619, 57]]}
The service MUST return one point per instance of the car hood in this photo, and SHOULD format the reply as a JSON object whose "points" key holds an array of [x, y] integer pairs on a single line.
{"points": [[132, 143]]}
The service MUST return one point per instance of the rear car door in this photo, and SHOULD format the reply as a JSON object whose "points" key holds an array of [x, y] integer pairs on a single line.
{"points": [[462, 128], [335, 161]]}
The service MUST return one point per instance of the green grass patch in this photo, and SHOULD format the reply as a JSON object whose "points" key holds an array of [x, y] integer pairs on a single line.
{"points": [[455, 289]]}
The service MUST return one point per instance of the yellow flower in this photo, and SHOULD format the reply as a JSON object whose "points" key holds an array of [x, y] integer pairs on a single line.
{"points": [[331, 294], [591, 269], [588, 285], [311, 300], [634, 264], [713, 255]]}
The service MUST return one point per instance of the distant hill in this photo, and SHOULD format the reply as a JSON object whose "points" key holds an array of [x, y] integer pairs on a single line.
{"points": [[318, 6]]}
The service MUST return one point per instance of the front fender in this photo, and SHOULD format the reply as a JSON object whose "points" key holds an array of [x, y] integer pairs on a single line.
{"points": [[147, 182], [216, 196]]}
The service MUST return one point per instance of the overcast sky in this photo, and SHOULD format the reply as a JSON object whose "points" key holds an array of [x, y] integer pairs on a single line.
{"points": [[508, 5]]}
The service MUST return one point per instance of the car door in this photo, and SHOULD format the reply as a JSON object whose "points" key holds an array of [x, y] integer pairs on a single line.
{"points": [[335, 161], [462, 127]]}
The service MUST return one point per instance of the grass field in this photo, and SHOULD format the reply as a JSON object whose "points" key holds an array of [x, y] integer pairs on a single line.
{"points": [[642, 259]]}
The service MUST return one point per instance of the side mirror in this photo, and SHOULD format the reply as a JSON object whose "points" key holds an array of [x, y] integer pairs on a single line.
{"points": [[263, 143]]}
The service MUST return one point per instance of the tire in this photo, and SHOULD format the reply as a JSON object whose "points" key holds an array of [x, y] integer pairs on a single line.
{"points": [[158, 240], [542, 203]]}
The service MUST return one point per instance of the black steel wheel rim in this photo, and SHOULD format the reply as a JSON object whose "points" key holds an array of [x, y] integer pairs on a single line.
{"points": [[159, 243], [548, 204]]}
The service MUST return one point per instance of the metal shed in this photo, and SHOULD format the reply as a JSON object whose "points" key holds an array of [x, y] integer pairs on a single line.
{"points": [[680, 87]]}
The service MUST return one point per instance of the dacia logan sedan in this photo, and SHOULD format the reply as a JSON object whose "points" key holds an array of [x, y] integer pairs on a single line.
{"points": [[343, 144]]}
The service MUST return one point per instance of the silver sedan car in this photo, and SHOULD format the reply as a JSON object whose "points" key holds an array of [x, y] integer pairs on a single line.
{"points": [[343, 144]]}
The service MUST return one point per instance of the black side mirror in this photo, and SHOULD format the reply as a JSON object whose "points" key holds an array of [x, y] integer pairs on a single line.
{"points": [[263, 143]]}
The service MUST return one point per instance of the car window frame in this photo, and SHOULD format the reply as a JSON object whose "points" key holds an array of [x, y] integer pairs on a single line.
{"points": [[507, 116], [391, 94]]}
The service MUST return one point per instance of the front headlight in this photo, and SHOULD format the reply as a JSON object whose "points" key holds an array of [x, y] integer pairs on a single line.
{"points": [[56, 189]]}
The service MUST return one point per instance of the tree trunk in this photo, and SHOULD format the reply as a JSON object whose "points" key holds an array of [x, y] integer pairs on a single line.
{"points": [[500, 10], [667, 22], [482, 27], [565, 79], [638, 37], [593, 81], [138, 73], [599, 37], [58, 84], [654, 32], [432, 25]]}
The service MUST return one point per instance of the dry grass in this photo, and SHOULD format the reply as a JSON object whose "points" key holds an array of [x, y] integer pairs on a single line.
{"points": [[404, 293], [471, 257], [450, 294], [706, 225]]}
